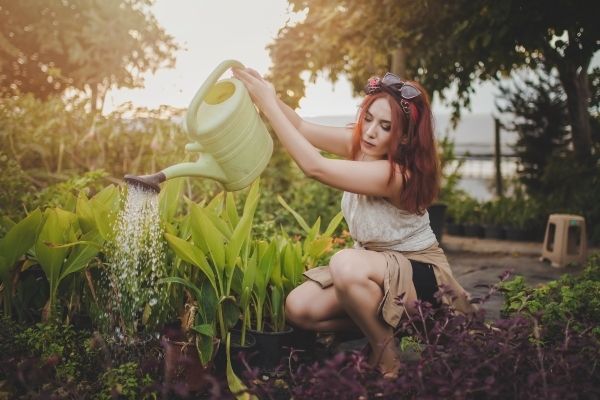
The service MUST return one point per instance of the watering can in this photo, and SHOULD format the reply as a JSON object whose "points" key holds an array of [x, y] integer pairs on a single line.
{"points": [[232, 142]]}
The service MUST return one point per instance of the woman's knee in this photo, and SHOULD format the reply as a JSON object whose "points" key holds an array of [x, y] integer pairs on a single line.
{"points": [[297, 311], [345, 267]]}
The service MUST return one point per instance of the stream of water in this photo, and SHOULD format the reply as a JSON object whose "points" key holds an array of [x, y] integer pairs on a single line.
{"points": [[136, 262]]}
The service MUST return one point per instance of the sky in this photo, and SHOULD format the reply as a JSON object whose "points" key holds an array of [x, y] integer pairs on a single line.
{"points": [[211, 31]]}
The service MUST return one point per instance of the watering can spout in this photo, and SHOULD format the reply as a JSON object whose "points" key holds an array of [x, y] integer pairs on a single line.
{"points": [[147, 182], [205, 167]]}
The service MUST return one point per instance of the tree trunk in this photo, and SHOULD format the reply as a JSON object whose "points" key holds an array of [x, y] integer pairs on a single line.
{"points": [[574, 79], [398, 63]]}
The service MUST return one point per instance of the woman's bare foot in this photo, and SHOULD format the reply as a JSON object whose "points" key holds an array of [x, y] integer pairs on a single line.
{"points": [[391, 373], [386, 362]]}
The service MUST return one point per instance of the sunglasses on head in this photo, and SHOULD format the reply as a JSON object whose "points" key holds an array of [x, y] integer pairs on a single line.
{"points": [[395, 86]]}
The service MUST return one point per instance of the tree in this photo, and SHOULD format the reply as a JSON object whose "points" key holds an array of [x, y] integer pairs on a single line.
{"points": [[47, 47], [446, 44], [537, 107]]}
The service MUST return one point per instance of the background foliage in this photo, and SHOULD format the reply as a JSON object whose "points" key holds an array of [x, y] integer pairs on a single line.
{"points": [[91, 46]]}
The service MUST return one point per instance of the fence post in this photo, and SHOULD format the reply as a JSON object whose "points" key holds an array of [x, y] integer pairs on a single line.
{"points": [[498, 157]]}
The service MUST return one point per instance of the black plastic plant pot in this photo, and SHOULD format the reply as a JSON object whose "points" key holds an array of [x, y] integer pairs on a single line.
{"points": [[455, 229], [516, 234], [302, 339], [249, 351], [437, 217], [271, 347], [473, 230], [493, 232]]}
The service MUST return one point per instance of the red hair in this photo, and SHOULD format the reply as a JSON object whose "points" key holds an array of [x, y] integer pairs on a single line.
{"points": [[412, 148]]}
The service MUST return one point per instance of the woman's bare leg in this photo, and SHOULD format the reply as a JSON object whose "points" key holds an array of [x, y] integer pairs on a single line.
{"points": [[358, 280], [310, 307]]}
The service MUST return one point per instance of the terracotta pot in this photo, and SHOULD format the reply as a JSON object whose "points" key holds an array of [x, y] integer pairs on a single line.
{"points": [[183, 366]]}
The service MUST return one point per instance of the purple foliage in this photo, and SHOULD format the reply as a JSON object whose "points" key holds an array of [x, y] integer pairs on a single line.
{"points": [[462, 357]]}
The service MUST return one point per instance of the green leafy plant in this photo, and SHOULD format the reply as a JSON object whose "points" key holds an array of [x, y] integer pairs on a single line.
{"points": [[570, 300], [218, 235], [125, 382], [464, 209], [62, 249], [17, 241]]}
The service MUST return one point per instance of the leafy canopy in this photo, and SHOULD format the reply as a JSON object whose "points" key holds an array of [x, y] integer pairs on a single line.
{"points": [[49, 46]]}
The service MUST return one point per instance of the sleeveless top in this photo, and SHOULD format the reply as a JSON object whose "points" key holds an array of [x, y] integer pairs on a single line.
{"points": [[376, 224], [376, 220]]}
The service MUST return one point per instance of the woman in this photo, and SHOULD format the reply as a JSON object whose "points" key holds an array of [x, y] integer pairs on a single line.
{"points": [[389, 175]]}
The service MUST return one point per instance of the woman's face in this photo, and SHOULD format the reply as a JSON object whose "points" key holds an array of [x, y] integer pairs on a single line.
{"points": [[376, 130]]}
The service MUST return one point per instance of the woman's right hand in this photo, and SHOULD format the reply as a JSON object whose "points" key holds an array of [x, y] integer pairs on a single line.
{"points": [[261, 91]]}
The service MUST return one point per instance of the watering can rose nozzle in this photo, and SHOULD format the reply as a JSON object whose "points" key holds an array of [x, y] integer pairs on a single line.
{"points": [[147, 182]]}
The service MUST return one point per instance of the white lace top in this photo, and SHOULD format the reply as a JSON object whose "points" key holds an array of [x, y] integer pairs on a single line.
{"points": [[376, 220]]}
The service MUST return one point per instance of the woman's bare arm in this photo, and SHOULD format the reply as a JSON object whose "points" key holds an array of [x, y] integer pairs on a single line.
{"points": [[335, 140], [364, 177]]}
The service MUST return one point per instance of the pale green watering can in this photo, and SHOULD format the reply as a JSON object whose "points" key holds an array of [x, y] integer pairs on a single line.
{"points": [[233, 143]]}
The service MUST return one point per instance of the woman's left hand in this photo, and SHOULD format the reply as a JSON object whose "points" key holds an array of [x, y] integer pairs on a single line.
{"points": [[261, 91]]}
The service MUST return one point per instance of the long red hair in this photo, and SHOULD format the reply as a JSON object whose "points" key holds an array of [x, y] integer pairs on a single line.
{"points": [[412, 148]]}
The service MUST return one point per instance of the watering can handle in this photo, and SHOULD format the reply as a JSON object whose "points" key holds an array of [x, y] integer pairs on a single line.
{"points": [[191, 123]]}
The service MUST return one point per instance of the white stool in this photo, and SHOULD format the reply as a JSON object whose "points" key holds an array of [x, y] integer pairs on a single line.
{"points": [[565, 240]]}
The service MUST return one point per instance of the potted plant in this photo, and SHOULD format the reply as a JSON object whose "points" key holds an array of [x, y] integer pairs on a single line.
{"points": [[282, 263], [471, 217], [268, 303], [212, 239], [492, 214]]}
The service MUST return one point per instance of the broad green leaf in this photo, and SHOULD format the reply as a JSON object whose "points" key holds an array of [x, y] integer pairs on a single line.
{"points": [[277, 307], [333, 224], [17, 241], [221, 225], [216, 204], [206, 348], [104, 218], [175, 279], [276, 277], [231, 311], [191, 254], [82, 254], [207, 305], [215, 240], [170, 228], [6, 223], [235, 384], [168, 199], [85, 214], [297, 216], [248, 280], [205, 329], [231, 209], [318, 247], [244, 227], [312, 234], [109, 196], [58, 228], [265, 269], [195, 219]]}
